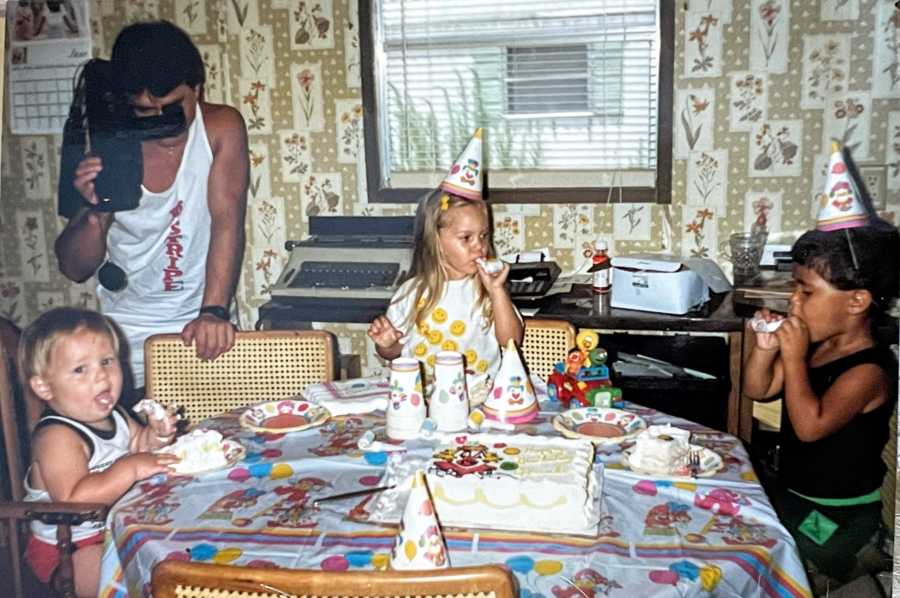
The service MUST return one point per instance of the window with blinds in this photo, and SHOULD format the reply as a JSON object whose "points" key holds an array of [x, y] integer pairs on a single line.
{"points": [[574, 96]]}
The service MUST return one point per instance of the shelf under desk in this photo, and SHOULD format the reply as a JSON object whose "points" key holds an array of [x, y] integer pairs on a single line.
{"points": [[716, 316]]}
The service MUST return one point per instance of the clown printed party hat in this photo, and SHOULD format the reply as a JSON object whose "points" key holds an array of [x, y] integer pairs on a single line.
{"points": [[840, 205], [512, 398], [465, 177], [420, 543]]}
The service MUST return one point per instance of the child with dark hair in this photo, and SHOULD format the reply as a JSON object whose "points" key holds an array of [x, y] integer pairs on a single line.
{"points": [[839, 388]]}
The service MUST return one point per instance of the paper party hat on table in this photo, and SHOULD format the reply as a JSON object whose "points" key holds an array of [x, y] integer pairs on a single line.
{"points": [[465, 177], [420, 543], [840, 205], [512, 398]]}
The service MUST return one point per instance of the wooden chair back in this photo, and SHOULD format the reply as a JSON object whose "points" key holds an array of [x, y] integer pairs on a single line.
{"points": [[185, 579], [546, 343], [12, 440], [262, 366]]}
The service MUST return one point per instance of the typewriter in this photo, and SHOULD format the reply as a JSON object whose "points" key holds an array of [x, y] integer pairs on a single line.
{"points": [[346, 271]]}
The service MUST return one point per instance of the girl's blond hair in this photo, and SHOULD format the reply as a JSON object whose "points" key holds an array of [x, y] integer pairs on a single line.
{"points": [[427, 269], [41, 336]]}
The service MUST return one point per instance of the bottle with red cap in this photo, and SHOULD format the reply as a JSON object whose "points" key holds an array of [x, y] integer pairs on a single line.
{"points": [[601, 269]]}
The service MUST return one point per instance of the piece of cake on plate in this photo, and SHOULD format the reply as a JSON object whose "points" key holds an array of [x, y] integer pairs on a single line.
{"points": [[661, 449], [199, 450]]}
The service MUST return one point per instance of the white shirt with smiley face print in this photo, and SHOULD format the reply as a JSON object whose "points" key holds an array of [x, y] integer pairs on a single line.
{"points": [[455, 324]]}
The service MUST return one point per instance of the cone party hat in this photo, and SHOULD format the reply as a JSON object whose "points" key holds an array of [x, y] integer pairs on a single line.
{"points": [[465, 176], [420, 543], [840, 205], [512, 398]]}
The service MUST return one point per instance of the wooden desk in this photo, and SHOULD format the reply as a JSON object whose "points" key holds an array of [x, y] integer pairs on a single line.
{"points": [[717, 315]]}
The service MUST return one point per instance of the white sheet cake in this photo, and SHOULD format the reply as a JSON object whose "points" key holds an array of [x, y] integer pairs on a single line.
{"points": [[515, 482]]}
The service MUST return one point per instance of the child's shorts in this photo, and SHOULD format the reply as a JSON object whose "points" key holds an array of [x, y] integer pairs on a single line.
{"points": [[43, 558]]}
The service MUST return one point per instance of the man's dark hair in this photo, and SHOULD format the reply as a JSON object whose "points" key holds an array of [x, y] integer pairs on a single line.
{"points": [[156, 56], [877, 265]]}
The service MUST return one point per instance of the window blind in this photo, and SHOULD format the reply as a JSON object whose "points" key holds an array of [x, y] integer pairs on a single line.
{"points": [[561, 87]]}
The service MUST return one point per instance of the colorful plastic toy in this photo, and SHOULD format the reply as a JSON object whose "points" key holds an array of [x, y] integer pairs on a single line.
{"points": [[582, 380]]}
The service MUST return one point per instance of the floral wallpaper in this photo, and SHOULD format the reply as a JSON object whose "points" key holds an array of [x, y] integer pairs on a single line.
{"points": [[761, 88]]}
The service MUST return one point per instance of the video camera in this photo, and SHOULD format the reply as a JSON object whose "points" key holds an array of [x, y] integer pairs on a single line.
{"points": [[102, 121]]}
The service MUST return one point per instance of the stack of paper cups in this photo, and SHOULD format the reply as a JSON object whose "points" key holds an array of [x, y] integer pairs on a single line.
{"points": [[449, 406], [406, 407]]}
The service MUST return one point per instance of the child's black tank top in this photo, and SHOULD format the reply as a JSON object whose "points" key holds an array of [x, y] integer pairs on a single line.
{"points": [[847, 463]]}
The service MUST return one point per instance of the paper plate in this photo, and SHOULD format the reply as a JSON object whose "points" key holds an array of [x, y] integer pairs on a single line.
{"points": [[234, 452], [710, 463], [287, 415], [601, 425]]}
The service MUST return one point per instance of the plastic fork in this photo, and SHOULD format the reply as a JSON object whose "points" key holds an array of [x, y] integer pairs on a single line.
{"points": [[694, 462]]}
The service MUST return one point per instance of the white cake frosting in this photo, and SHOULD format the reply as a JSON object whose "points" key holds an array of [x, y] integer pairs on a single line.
{"points": [[199, 450], [515, 482], [661, 449]]}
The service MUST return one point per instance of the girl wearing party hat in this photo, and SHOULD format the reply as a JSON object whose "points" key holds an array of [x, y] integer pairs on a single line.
{"points": [[839, 386], [454, 300]]}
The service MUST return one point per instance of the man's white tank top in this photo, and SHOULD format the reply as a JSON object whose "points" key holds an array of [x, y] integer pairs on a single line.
{"points": [[106, 449], [162, 247]]}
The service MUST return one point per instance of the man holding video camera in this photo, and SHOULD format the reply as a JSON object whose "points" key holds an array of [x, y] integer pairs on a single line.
{"points": [[171, 263]]}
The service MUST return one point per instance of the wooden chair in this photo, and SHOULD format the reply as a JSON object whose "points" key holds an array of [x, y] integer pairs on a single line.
{"points": [[181, 579], [262, 366], [15, 514], [546, 343]]}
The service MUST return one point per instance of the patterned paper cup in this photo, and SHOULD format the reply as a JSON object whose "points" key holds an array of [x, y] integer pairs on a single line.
{"points": [[449, 405], [406, 407]]}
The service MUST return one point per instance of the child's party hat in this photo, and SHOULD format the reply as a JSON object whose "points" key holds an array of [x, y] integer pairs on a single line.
{"points": [[420, 543], [465, 177], [840, 205], [512, 398]]}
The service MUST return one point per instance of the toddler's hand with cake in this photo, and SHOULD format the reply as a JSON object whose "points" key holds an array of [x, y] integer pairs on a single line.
{"points": [[162, 421], [202, 450]]}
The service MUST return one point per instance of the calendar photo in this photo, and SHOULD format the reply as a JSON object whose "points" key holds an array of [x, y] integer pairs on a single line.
{"points": [[48, 41]]}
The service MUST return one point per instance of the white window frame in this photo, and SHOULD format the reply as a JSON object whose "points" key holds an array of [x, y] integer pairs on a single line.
{"points": [[523, 186]]}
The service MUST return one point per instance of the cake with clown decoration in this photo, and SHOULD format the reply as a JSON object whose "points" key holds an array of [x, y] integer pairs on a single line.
{"points": [[515, 482]]}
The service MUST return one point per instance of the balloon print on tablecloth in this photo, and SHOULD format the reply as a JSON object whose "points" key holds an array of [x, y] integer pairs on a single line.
{"points": [[274, 471], [207, 552], [335, 562], [376, 458], [651, 487], [663, 577], [709, 575], [178, 555], [356, 559], [267, 454], [539, 574]]}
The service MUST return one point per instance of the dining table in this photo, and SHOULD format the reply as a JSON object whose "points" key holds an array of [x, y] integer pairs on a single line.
{"points": [[714, 535]]}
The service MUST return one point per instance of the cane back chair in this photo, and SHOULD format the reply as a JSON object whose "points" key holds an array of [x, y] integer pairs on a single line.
{"points": [[546, 343], [262, 366]]}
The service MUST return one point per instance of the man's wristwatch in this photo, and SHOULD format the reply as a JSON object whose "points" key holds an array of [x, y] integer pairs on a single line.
{"points": [[218, 311]]}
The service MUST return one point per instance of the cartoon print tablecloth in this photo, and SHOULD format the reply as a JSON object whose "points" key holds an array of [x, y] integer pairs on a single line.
{"points": [[706, 537]]}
